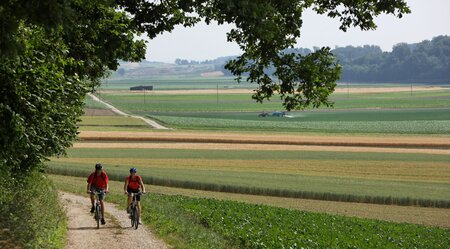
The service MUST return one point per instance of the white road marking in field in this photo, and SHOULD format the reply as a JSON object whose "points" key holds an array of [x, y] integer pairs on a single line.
{"points": [[150, 122]]}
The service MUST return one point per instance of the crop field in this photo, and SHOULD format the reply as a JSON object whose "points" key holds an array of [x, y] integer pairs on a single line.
{"points": [[111, 123], [402, 178], [379, 153], [391, 175], [176, 83], [403, 112]]}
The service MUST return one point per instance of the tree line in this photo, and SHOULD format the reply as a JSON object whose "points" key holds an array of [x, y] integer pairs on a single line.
{"points": [[427, 61]]}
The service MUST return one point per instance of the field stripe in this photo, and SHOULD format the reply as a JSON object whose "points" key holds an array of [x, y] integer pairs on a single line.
{"points": [[442, 143], [262, 147]]}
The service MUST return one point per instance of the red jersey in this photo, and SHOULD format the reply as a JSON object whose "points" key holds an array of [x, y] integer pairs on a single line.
{"points": [[98, 181], [133, 182]]}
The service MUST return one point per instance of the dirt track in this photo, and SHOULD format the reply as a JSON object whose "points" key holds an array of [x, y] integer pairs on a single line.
{"points": [[117, 233]]}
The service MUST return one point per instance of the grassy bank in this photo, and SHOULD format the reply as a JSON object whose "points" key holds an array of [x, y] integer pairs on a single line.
{"points": [[31, 216]]}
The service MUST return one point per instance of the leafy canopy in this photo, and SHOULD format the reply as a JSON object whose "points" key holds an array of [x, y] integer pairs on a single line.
{"points": [[53, 51], [264, 28]]}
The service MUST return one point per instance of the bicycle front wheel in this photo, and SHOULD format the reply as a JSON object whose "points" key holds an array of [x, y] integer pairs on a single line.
{"points": [[136, 218], [132, 215], [97, 215]]}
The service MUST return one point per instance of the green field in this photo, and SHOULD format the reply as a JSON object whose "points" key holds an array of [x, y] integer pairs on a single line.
{"points": [[111, 123], [348, 176], [220, 102], [426, 112], [176, 83]]}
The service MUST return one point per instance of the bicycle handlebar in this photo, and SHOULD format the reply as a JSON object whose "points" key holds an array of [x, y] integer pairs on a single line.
{"points": [[97, 192], [138, 193]]}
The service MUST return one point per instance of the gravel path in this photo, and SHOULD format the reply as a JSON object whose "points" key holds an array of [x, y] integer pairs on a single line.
{"points": [[119, 112], [117, 233]]}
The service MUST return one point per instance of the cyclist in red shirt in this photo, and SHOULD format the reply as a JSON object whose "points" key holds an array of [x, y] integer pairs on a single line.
{"points": [[132, 184], [98, 181]]}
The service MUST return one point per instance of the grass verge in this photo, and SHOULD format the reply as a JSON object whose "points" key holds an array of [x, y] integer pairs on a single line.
{"points": [[23, 223]]}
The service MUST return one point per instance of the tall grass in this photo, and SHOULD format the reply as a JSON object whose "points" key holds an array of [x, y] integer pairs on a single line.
{"points": [[30, 212]]}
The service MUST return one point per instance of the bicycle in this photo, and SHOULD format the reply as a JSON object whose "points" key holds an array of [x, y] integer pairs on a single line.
{"points": [[97, 207], [135, 213]]}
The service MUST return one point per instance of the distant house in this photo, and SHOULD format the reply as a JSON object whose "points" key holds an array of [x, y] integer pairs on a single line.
{"points": [[141, 88]]}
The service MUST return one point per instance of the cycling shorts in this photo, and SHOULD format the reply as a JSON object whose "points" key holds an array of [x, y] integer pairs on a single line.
{"points": [[102, 194], [129, 190]]}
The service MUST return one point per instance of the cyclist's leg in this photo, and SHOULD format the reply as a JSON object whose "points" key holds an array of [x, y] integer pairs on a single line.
{"points": [[92, 200], [102, 208], [129, 191], [128, 202], [138, 199], [101, 198], [140, 211]]}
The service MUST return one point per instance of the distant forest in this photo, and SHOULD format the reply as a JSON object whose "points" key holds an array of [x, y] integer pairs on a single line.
{"points": [[427, 61]]}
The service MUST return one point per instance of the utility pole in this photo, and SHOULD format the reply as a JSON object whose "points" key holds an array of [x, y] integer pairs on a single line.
{"points": [[411, 88], [348, 91]]}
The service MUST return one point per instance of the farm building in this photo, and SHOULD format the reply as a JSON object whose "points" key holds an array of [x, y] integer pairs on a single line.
{"points": [[141, 88]]}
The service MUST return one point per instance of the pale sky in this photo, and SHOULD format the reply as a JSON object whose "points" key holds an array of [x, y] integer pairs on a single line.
{"points": [[428, 18]]}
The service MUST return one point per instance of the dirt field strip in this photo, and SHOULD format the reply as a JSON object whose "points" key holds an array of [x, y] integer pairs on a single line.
{"points": [[117, 233], [435, 143], [264, 147]]}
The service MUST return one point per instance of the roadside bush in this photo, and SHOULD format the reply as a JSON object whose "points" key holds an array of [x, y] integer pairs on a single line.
{"points": [[31, 214]]}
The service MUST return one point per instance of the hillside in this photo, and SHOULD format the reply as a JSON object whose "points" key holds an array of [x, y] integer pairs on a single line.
{"points": [[427, 61]]}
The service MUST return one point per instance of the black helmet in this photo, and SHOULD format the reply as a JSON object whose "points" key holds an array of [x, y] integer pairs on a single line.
{"points": [[133, 170], [98, 166]]}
